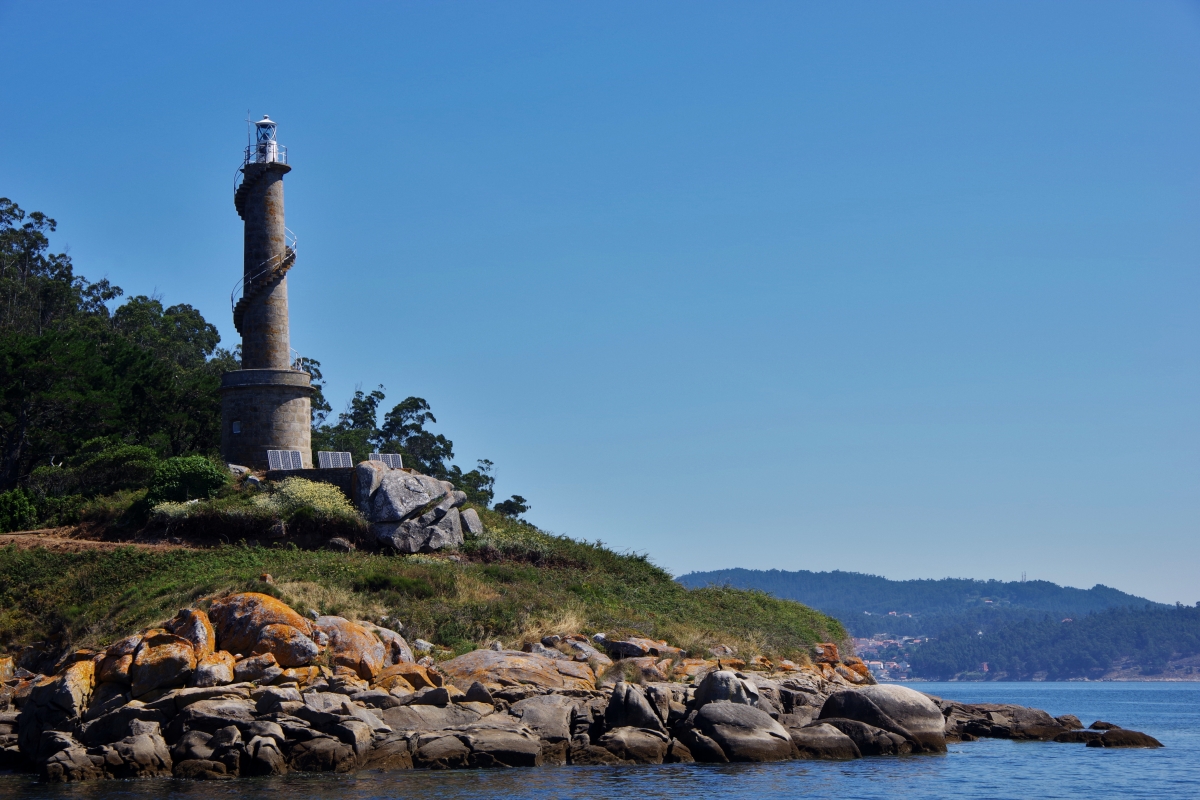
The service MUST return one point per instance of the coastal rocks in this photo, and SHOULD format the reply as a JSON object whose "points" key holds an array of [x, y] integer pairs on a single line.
{"points": [[870, 740], [724, 686], [1118, 737], [162, 660], [118, 658], [351, 645], [240, 619], [194, 626], [286, 645], [627, 707], [997, 721], [215, 669], [824, 742], [897, 709], [496, 669], [636, 745], [742, 732]]}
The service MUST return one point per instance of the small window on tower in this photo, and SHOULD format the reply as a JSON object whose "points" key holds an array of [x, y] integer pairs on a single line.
{"points": [[237, 426]]}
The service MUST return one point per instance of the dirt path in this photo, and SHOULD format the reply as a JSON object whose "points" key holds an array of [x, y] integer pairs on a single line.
{"points": [[68, 540]]}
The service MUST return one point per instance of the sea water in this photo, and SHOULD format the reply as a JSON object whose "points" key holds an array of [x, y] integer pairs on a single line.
{"points": [[988, 768]]}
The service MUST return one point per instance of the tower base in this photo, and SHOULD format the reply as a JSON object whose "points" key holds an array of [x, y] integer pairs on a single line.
{"points": [[265, 409]]}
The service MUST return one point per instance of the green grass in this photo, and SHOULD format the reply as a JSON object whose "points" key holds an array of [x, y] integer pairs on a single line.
{"points": [[514, 583]]}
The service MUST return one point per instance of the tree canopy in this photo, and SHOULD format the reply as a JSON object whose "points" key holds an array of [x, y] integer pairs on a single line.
{"points": [[73, 370]]}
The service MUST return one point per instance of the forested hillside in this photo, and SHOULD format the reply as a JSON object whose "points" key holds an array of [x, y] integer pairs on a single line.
{"points": [[1084, 647], [850, 594], [1016, 628]]}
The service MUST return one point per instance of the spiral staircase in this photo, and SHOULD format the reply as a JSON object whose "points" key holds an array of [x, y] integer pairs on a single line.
{"points": [[269, 272]]}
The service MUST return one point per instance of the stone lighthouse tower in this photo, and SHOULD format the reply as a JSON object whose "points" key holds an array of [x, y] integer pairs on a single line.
{"points": [[265, 404]]}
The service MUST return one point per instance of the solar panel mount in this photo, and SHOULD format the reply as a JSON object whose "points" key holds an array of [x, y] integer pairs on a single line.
{"points": [[332, 460], [285, 459]]}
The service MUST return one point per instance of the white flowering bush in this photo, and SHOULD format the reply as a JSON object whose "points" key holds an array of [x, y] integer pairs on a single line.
{"points": [[297, 496], [171, 511]]}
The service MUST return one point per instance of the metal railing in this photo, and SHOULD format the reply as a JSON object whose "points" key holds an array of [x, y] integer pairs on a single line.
{"points": [[259, 154], [265, 153], [270, 265]]}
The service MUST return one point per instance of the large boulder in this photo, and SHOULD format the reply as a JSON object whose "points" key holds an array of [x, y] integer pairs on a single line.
{"points": [[897, 709], [636, 745], [471, 522], [426, 534], [240, 620], [162, 660], [497, 747], [399, 494], [322, 754], [999, 721], [628, 707], [118, 658], [397, 649], [215, 669], [367, 477], [289, 646], [722, 685], [821, 741], [351, 645], [550, 716], [499, 668], [408, 676], [194, 625], [1122, 738], [54, 704], [430, 718], [743, 732], [870, 740]]}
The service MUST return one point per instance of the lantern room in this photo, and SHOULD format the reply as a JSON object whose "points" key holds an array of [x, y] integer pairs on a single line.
{"points": [[266, 148]]}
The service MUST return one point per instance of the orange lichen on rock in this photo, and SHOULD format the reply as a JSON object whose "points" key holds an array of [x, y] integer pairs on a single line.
{"points": [[351, 645], [163, 659], [498, 668], [407, 676], [826, 653], [193, 624], [240, 618]]}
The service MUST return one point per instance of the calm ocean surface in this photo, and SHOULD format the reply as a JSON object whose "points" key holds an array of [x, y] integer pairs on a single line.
{"points": [[983, 769]]}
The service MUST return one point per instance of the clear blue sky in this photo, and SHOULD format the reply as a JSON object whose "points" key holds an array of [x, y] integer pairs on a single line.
{"points": [[902, 288]]}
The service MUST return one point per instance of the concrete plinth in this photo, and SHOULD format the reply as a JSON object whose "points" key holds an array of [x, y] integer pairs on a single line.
{"points": [[271, 410]]}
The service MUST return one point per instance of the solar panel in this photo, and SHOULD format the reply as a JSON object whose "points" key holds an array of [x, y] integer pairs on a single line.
{"points": [[284, 459], [392, 460], [330, 460]]}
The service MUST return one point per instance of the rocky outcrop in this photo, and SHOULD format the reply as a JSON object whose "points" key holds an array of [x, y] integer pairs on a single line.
{"points": [[997, 721], [259, 690], [497, 669], [409, 512], [896, 709]]}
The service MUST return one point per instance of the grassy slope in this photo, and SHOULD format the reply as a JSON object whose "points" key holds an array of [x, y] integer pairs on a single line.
{"points": [[513, 583]]}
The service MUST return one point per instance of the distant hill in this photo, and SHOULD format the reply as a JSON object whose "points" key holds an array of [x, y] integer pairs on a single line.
{"points": [[864, 602], [987, 630]]}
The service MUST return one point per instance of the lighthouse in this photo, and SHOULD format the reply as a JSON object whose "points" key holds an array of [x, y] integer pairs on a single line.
{"points": [[264, 405]]}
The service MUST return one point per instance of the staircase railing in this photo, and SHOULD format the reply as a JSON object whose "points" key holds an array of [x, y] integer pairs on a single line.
{"points": [[265, 268]]}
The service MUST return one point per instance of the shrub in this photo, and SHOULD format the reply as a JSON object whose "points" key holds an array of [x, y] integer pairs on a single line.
{"points": [[297, 497], [100, 467], [186, 478], [170, 511], [17, 511]]}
